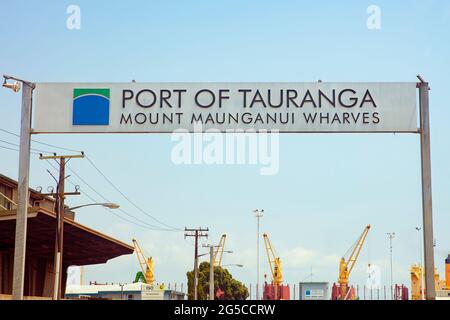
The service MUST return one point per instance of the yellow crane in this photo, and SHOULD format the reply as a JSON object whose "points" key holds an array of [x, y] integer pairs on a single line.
{"points": [[416, 282], [274, 262], [147, 266], [219, 251], [346, 265]]}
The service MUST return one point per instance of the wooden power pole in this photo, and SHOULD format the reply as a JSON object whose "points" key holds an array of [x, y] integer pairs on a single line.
{"points": [[60, 211], [196, 233]]}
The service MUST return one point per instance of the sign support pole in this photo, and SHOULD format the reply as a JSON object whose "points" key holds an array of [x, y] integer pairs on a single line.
{"points": [[21, 215], [426, 189]]}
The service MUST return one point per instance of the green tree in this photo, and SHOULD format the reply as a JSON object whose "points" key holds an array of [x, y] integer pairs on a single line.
{"points": [[224, 284]]}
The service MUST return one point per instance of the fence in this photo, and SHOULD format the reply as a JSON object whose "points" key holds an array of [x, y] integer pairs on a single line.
{"points": [[398, 292]]}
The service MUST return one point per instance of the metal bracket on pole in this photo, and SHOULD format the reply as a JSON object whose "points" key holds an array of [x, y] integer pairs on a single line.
{"points": [[426, 188], [32, 85]]}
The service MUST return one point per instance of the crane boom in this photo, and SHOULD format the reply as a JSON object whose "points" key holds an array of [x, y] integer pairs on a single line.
{"points": [[219, 251], [357, 249], [147, 265], [274, 262], [346, 266]]}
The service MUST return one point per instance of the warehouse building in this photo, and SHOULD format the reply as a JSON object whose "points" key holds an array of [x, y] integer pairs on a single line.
{"points": [[131, 291], [82, 245]]}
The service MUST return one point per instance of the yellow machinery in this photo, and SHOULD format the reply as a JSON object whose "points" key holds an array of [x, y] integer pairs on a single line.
{"points": [[346, 266], [416, 280], [276, 290], [147, 266], [219, 251], [447, 273], [416, 285], [274, 262]]}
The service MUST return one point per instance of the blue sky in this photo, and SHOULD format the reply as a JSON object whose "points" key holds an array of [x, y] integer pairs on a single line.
{"points": [[328, 187]]}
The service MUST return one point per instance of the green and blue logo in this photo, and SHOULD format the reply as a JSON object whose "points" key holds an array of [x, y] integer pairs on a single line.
{"points": [[90, 107]]}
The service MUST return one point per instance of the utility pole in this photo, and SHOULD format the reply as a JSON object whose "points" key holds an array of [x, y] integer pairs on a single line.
{"points": [[391, 236], [59, 239], [258, 215], [196, 233], [24, 170], [422, 278]]}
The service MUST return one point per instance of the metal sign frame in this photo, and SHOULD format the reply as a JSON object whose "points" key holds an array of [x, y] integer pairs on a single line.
{"points": [[23, 185]]}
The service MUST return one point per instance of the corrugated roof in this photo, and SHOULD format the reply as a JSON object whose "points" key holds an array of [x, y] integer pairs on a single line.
{"points": [[82, 245]]}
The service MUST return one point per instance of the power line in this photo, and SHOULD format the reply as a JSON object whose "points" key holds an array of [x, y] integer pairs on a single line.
{"points": [[17, 150], [128, 199], [42, 143], [99, 194], [17, 145], [102, 174], [106, 199], [119, 216], [141, 223], [147, 225], [11, 133], [10, 143], [8, 148], [110, 211]]}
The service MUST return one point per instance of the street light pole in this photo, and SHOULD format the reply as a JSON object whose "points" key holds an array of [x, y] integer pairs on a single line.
{"points": [[391, 236], [211, 273], [422, 278], [258, 215], [121, 291], [211, 268]]}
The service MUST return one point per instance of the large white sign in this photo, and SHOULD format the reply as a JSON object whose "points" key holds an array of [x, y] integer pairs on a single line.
{"points": [[165, 107]]}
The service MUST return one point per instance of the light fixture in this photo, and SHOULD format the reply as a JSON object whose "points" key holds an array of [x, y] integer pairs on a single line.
{"points": [[111, 205], [106, 205], [14, 86]]}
